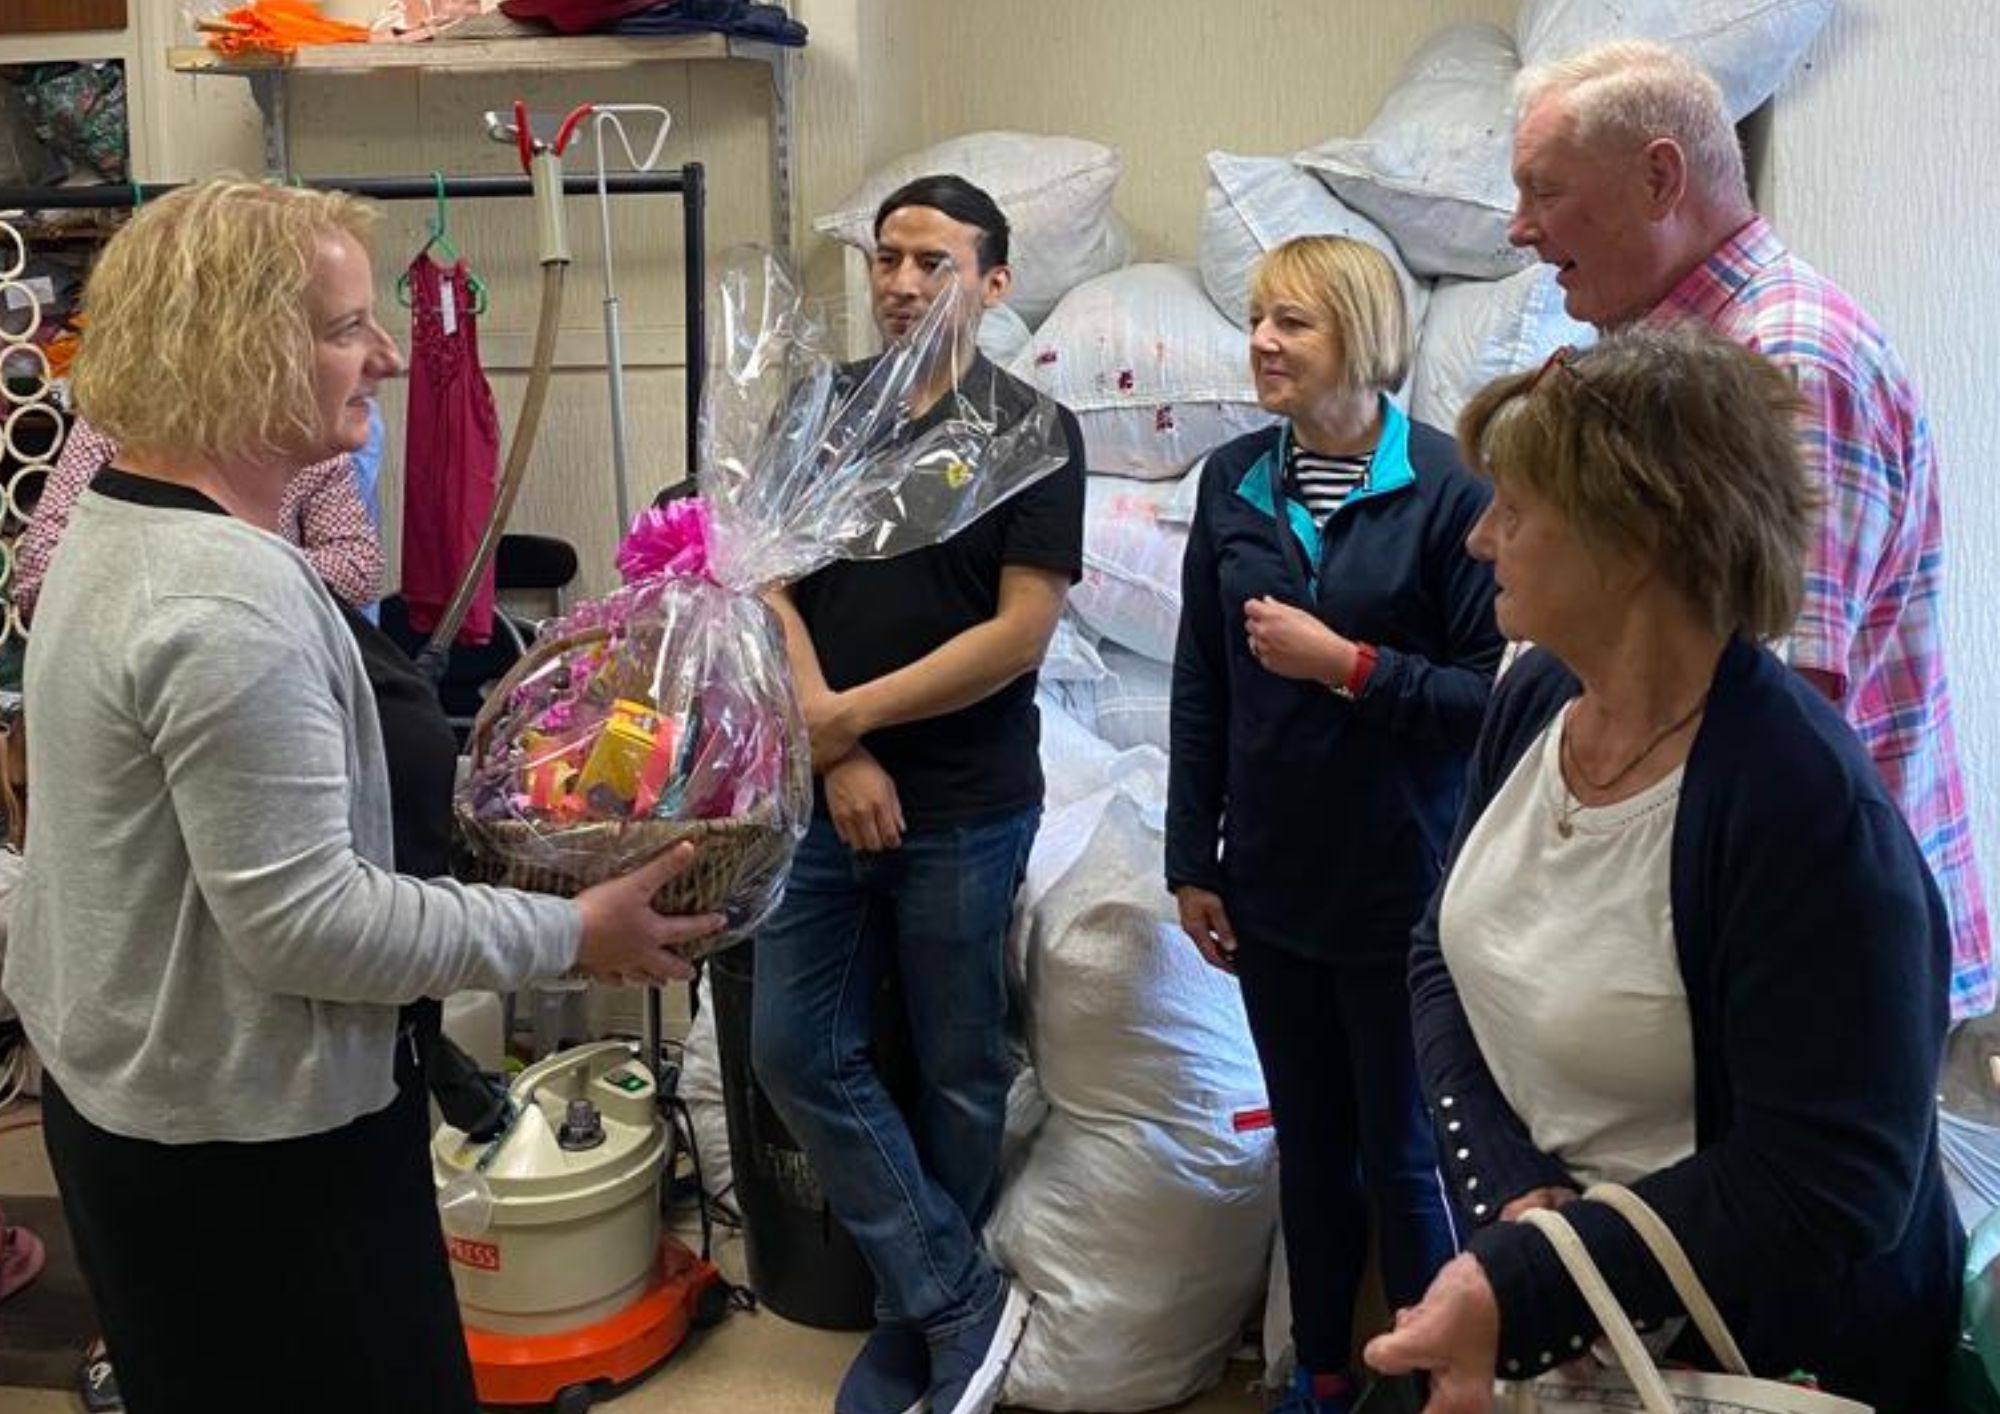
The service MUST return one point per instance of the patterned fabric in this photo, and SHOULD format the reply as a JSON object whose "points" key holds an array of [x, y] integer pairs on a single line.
{"points": [[1321, 483], [322, 514], [1875, 573]]}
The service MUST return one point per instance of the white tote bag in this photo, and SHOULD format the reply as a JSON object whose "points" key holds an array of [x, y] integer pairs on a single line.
{"points": [[1642, 1385]]}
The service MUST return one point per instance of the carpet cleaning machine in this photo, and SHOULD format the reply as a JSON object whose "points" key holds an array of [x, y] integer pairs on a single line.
{"points": [[551, 1195], [566, 1282]]}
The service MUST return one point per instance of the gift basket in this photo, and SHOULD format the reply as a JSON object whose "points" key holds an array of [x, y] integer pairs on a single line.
{"points": [[666, 711]]}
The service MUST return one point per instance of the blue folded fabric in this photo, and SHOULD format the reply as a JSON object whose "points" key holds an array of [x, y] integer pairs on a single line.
{"points": [[741, 19]]}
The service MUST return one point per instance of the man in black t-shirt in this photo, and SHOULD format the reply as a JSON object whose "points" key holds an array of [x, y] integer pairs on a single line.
{"points": [[917, 678]]}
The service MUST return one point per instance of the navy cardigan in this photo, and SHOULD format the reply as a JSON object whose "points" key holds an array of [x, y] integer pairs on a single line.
{"points": [[1323, 822], [1817, 958]]}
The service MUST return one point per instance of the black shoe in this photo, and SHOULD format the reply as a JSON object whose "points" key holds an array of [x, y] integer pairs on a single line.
{"points": [[97, 1381]]}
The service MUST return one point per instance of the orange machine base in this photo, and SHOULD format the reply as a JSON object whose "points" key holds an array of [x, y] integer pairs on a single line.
{"points": [[683, 1291]]}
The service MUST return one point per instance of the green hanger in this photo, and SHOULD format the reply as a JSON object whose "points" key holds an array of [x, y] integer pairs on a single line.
{"points": [[440, 248]]}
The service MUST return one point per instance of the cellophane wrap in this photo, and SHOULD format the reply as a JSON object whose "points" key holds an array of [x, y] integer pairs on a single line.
{"points": [[666, 709]]}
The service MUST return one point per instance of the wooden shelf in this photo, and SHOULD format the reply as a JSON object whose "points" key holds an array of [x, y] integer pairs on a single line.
{"points": [[543, 53], [269, 77]]}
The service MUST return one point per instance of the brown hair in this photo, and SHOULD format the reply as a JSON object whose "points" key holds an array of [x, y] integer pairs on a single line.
{"points": [[200, 338], [1673, 445]]}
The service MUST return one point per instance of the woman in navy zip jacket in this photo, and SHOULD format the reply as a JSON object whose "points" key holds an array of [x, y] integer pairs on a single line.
{"points": [[1687, 943], [1333, 664]]}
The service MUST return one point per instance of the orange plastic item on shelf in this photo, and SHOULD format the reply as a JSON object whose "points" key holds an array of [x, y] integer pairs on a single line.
{"points": [[62, 352], [278, 27]]}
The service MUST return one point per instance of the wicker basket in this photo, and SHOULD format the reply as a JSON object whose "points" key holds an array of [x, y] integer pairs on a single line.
{"points": [[737, 858]]}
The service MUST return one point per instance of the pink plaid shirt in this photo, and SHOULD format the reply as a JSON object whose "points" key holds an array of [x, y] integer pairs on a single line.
{"points": [[1875, 571], [322, 514]]}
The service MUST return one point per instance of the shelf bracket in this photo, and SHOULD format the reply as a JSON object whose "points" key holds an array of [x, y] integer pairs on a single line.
{"points": [[273, 97]]}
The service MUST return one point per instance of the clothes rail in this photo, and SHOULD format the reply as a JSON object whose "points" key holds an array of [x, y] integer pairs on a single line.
{"points": [[686, 182]]}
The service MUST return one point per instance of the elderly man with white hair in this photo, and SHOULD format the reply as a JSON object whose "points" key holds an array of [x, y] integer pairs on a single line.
{"points": [[1631, 184]]}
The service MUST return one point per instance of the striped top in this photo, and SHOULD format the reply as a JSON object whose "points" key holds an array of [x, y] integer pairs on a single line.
{"points": [[1321, 483]]}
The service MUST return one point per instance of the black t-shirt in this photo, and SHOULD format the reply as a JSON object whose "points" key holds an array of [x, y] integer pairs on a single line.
{"points": [[868, 618], [417, 745]]}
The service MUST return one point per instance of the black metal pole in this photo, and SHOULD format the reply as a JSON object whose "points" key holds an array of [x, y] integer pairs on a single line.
{"points": [[688, 182], [125, 195], [694, 243]]}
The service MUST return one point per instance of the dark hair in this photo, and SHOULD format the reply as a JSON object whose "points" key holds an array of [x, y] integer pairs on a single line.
{"points": [[960, 200]]}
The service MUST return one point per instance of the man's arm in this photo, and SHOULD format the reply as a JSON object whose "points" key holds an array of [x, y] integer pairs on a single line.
{"points": [[1860, 469], [861, 798], [965, 669], [807, 675]]}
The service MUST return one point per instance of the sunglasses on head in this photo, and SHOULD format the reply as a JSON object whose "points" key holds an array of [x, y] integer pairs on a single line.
{"points": [[1565, 359]]}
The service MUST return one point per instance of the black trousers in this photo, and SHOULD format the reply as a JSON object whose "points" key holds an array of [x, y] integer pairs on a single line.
{"points": [[303, 1274], [1340, 1067]]}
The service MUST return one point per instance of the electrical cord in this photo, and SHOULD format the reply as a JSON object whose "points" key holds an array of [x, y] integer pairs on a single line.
{"points": [[14, 1064]]}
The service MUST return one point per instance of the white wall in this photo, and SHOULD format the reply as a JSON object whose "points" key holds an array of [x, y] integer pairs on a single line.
{"points": [[1877, 174]]}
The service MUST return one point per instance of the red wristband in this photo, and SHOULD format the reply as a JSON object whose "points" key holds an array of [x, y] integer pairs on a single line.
{"points": [[1365, 657]]}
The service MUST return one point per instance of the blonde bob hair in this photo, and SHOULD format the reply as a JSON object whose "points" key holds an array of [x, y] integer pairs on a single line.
{"points": [[200, 337], [1352, 287], [1673, 446]]}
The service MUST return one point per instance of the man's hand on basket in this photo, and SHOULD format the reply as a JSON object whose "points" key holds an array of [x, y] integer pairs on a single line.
{"points": [[624, 939], [861, 798]]}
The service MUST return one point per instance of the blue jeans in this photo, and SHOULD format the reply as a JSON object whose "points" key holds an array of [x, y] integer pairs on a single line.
{"points": [[914, 1191]]}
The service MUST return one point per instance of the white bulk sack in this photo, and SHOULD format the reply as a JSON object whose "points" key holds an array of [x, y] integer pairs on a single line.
{"points": [[1076, 761], [1003, 334], [1134, 700], [701, 1089], [1479, 329], [1072, 654], [1156, 374], [1075, 703], [1256, 204], [1139, 1215], [1281, 1353], [1054, 191], [1434, 169], [1130, 593], [1747, 46]]}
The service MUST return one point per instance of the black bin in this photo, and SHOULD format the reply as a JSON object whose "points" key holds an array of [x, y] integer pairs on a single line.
{"points": [[803, 1264]]}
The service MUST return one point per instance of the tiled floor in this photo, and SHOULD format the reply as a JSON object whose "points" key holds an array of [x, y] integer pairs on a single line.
{"points": [[759, 1363]]}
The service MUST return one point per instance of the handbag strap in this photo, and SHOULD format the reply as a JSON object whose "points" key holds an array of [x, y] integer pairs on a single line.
{"points": [[1617, 1326], [1673, 1260]]}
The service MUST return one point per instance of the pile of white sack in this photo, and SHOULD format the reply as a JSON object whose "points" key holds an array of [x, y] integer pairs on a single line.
{"points": [[1135, 1207]]}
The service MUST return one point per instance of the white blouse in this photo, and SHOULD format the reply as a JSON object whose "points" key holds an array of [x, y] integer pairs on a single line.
{"points": [[1557, 925]]}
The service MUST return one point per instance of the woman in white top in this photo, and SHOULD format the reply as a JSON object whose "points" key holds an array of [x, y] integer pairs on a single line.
{"points": [[211, 945], [1685, 941]]}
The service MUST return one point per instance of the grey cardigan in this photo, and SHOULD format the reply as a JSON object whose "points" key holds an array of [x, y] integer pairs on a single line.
{"points": [[210, 943]]}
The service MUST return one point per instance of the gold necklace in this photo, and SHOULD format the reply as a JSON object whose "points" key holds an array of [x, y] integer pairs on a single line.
{"points": [[1566, 811]]}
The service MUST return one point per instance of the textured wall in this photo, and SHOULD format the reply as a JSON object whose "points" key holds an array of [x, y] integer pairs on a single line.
{"points": [[1164, 81], [1877, 176]]}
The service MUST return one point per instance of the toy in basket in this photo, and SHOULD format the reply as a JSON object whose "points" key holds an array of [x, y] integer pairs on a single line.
{"points": [[665, 711], [661, 713]]}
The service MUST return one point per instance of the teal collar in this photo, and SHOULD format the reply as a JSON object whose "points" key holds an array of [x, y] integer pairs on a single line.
{"points": [[1388, 471]]}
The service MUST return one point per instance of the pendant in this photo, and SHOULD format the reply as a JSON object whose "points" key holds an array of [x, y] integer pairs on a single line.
{"points": [[1563, 827]]}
